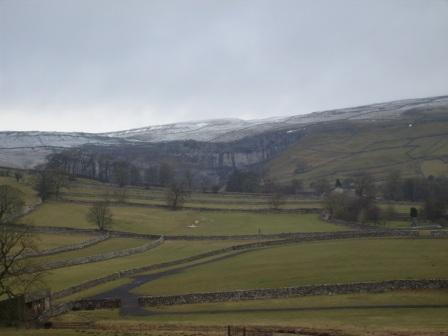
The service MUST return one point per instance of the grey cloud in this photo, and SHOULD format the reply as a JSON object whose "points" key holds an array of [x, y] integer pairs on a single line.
{"points": [[100, 65]]}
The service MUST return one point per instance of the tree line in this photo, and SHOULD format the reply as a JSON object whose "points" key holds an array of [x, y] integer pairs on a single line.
{"points": [[361, 204]]}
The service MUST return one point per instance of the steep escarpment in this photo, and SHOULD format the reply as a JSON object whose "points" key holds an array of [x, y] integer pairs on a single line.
{"points": [[409, 135], [144, 162]]}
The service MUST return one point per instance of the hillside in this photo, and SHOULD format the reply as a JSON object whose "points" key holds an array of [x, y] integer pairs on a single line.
{"points": [[417, 147], [229, 130], [406, 134], [30, 149]]}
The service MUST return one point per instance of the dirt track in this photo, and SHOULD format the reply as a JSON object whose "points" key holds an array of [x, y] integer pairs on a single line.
{"points": [[129, 302]]}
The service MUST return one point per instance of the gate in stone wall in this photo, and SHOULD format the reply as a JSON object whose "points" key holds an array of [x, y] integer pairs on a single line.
{"points": [[247, 331]]}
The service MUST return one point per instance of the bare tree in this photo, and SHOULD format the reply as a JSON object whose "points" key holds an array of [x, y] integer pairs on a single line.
{"points": [[120, 195], [176, 196], [392, 185], [18, 176], [134, 175], [321, 186], [166, 174], [189, 177], [49, 183], [15, 275], [122, 173], [151, 176], [11, 203], [365, 186], [296, 186], [100, 215], [277, 200]]}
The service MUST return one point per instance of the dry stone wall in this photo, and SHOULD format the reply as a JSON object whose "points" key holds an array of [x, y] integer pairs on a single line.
{"points": [[274, 293], [241, 247], [301, 235], [102, 256], [89, 304], [439, 234], [71, 247], [186, 207], [367, 232]]}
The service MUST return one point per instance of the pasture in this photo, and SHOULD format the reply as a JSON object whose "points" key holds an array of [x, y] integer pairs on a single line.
{"points": [[326, 262], [163, 221], [295, 264], [376, 149], [357, 314]]}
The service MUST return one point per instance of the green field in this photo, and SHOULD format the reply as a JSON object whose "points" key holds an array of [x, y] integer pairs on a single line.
{"points": [[162, 221], [82, 190], [357, 313], [109, 245], [434, 167], [25, 186], [305, 311], [45, 241], [94, 290], [312, 263], [50, 332], [342, 152], [338, 261], [69, 276], [220, 204]]}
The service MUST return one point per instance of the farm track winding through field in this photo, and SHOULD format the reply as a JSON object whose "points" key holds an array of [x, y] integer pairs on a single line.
{"points": [[129, 300]]}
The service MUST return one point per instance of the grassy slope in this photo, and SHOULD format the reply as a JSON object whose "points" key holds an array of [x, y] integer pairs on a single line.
{"points": [[46, 332], [161, 221], [24, 186], [112, 244], [209, 222], [243, 312], [94, 290], [54, 213], [49, 241], [65, 277], [265, 312], [312, 263], [201, 204], [287, 312], [83, 190], [341, 152]]}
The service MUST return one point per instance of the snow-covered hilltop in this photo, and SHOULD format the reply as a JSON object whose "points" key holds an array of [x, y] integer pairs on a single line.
{"points": [[14, 140], [225, 130], [28, 149]]}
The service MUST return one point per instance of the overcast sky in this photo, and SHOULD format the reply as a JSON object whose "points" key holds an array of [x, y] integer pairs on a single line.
{"points": [[103, 65]]}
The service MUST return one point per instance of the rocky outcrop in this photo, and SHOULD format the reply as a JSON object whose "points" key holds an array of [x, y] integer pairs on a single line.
{"points": [[204, 160], [209, 148]]}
